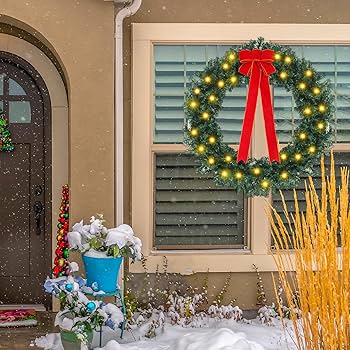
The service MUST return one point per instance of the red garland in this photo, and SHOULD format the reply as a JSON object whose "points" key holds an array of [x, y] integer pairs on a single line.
{"points": [[257, 64], [62, 251]]}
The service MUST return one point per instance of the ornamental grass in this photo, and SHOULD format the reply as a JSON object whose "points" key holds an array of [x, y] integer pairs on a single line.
{"points": [[315, 243]]}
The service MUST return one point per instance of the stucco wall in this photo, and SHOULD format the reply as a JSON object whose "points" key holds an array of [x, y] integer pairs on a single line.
{"points": [[81, 36], [243, 285], [219, 11]]}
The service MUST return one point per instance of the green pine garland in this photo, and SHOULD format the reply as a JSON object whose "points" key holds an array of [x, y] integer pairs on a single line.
{"points": [[6, 144], [314, 102]]}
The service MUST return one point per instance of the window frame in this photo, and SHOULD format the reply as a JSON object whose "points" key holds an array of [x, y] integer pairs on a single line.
{"points": [[145, 35]]}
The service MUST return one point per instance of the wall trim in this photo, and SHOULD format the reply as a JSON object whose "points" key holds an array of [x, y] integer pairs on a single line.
{"points": [[59, 116]]}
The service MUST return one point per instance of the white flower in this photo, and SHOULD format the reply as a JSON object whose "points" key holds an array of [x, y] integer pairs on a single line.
{"points": [[85, 247], [78, 227], [74, 240], [127, 231], [137, 241], [96, 226], [86, 228], [117, 236]]}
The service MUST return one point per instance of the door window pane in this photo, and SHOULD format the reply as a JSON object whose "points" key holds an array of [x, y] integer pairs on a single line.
{"points": [[20, 112], [2, 76], [15, 88]]}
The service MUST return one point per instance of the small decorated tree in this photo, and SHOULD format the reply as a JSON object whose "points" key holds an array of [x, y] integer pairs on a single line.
{"points": [[6, 144], [62, 251]]}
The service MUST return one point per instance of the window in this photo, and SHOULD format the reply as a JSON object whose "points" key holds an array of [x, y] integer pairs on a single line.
{"points": [[222, 230], [189, 210]]}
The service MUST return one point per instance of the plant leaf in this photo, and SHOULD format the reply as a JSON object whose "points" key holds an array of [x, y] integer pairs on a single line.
{"points": [[115, 251]]}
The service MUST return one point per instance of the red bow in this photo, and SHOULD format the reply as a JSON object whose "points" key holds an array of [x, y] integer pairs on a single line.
{"points": [[257, 64]]}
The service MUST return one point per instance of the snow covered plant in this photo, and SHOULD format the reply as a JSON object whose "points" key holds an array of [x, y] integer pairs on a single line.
{"points": [[77, 313], [119, 241]]}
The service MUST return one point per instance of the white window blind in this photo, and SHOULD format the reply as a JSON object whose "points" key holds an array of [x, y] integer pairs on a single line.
{"points": [[191, 211], [334, 63], [174, 68]]}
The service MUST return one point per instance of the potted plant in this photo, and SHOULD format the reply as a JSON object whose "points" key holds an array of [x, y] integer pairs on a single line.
{"points": [[103, 250], [78, 316]]}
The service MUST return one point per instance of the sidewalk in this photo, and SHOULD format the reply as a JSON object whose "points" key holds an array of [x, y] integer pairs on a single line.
{"points": [[20, 338]]}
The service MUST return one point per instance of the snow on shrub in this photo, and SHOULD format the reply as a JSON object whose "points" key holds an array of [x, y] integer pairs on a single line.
{"points": [[77, 313]]}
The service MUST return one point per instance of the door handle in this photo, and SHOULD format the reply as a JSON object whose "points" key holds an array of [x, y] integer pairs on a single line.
{"points": [[38, 210]]}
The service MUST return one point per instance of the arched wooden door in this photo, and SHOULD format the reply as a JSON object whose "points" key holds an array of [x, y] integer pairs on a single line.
{"points": [[25, 178]]}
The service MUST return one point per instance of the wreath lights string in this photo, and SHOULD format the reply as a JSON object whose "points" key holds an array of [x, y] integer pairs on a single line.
{"points": [[314, 101]]}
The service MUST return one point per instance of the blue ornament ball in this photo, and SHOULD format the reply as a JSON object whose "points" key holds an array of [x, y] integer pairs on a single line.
{"points": [[69, 287], [91, 306]]}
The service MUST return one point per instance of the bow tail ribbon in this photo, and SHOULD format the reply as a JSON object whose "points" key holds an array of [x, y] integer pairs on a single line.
{"points": [[248, 120], [270, 129]]}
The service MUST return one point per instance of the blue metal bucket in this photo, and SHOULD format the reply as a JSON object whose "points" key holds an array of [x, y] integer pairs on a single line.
{"points": [[103, 271]]}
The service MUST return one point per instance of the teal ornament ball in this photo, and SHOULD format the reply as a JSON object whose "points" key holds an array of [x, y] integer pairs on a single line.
{"points": [[91, 306], [69, 287]]}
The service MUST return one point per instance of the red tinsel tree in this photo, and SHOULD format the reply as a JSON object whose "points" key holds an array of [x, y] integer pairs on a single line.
{"points": [[62, 252]]}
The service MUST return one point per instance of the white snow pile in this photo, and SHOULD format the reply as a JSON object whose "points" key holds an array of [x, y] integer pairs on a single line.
{"points": [[215, 335], [220, 339], [51, 341], [198, 339]]}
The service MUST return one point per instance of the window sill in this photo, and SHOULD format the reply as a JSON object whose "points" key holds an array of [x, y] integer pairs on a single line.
{"points": [[190, 262], [165, 252]]}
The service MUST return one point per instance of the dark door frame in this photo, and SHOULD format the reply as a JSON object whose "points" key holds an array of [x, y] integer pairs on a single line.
{"points": [[34, 74]]}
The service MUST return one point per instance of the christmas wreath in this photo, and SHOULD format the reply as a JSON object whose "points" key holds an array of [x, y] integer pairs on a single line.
{"points": [[259, 64]]}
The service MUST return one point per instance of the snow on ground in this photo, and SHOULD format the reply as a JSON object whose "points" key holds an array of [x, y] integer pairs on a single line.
{"points": [[215, 335]]}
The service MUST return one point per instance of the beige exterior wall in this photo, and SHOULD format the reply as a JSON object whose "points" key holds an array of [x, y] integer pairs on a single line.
{"points": [[217, 11], [80, 34], [80, 37], [243, 286]]}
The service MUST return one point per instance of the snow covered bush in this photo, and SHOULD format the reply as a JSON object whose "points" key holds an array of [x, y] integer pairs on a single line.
{"points": [[77, 313], [119, 241], [167, 298]]}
